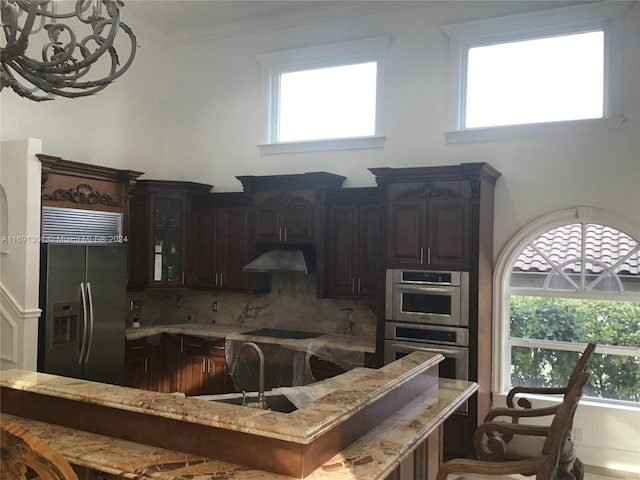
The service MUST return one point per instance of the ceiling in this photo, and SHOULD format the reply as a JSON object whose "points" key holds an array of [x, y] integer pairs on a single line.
{"points": [[180, 16]]}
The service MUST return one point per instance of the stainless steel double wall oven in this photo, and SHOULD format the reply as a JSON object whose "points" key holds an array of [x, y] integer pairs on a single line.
{"points": [[429, 311]]}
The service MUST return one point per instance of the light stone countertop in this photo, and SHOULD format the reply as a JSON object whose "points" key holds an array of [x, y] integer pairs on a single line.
{"points": [[236, 332], [372, 457], [303, 426]]}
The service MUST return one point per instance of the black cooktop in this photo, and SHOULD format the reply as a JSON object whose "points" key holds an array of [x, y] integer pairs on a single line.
{"points": [[277, 333]]}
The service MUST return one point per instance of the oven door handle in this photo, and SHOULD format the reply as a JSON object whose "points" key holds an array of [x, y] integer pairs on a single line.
{"points": [[426, 349], [427, 289]]}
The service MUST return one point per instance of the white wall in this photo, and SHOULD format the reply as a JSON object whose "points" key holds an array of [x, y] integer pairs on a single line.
{"points": [[121, 126], [192, 111], [19, 253]]}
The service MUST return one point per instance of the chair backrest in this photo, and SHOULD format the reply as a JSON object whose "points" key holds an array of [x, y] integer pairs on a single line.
{"points": [[581, 365], [24, 453], [560, 428]]}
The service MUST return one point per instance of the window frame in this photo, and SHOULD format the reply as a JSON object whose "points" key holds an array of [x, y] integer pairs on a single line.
{"points": [[605, 16], [502, 291], [274, 64]]}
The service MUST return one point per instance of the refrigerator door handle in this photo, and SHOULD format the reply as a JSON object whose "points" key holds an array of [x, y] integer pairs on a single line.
{"points": [[84, 322], [86, 358]]}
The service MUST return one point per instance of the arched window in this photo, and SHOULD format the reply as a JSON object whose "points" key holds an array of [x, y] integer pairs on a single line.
{"points": [[569, 279]]}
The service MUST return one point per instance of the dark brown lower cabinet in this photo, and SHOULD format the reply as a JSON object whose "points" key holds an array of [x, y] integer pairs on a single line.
{"points": [[321, 369], [202, 369], [191, 365], [139, 364], [458, 437]]}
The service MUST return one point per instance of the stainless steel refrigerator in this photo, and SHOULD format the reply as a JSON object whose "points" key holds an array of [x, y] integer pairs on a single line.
{"points": [[83, 298]]}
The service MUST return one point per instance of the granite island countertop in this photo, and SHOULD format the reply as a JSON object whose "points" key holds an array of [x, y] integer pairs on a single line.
{"points": [[301, 426], [294, 444], [238, 332], [372, 457]]}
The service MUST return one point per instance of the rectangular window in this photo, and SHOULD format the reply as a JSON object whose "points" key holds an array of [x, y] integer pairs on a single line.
{"points": [[552, 71], [325, 103], [327, 97], [542, 80]]}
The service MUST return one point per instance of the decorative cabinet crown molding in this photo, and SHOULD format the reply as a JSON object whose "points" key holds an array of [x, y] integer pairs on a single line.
{"points": [[284, 199], [83, 194], [428, 190], [79, 185]]}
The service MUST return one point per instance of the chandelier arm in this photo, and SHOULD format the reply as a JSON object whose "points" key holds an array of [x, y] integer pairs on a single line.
{"points": [[86, 4], [56, 86], [9, 22], [48, 82], [81, 65], [104, 43], [112, 51], [54, 33], [11, 81], [64, 63], [49, 73], [59, 67], [22, 41]]}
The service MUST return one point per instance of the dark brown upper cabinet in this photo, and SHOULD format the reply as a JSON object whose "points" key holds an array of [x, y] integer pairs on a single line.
{"points": [[285, 217], [353, 240], [158, 247], [288, 207], [219, 232], [430, 214], [429, 232]]}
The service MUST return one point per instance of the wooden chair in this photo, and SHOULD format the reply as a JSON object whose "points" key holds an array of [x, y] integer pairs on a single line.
{"points": [[523, 402], [545, 465], [24, 456], [491, 445]]}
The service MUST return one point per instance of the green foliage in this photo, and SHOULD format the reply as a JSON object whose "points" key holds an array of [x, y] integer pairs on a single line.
{"points": [[613, 323]]}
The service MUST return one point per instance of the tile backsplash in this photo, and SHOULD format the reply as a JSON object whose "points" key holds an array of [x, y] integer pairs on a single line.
{"points": [[291, 304]]}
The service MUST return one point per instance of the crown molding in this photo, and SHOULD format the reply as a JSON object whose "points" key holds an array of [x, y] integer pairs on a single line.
{"points": [[323, 13]]}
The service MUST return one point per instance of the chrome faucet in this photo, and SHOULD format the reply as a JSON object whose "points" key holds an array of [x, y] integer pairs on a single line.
{"points": [[234, 366]]}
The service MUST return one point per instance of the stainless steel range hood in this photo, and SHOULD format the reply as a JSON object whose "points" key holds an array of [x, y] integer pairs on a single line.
{"points": [[299, 258]]}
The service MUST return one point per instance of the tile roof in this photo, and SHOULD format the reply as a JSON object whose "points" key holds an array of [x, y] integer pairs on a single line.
{"points": [[605, 246]]}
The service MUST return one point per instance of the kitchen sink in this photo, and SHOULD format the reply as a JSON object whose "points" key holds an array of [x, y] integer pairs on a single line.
{"points": [[277, 333], [277, 403]]}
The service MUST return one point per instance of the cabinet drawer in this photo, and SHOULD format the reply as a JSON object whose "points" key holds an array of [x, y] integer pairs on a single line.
{"points": [[136, 348], [195, 345]]}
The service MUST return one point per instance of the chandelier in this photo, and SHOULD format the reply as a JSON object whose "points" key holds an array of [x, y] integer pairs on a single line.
{"points": [[71, 64]]}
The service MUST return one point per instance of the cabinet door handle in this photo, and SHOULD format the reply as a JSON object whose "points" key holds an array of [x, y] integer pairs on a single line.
{"points": [[280, 233], [209, 365], [221, 283], [137, 347], [353, 285], [203, 365], [216, 279], [146, 364], [285, 234], [421, 255], [358, 284], [429, 256], [181, 345], [196, 345]]}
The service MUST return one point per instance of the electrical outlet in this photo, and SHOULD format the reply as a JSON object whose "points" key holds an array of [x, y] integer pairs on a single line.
{"points": [[578, 434], [214, 305]]}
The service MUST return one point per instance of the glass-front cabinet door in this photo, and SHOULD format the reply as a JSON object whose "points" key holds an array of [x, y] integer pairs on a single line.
{"points": [[168, 220]]}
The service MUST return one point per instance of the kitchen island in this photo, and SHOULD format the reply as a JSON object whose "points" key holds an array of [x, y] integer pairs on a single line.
{"points": [[358, 431]]}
